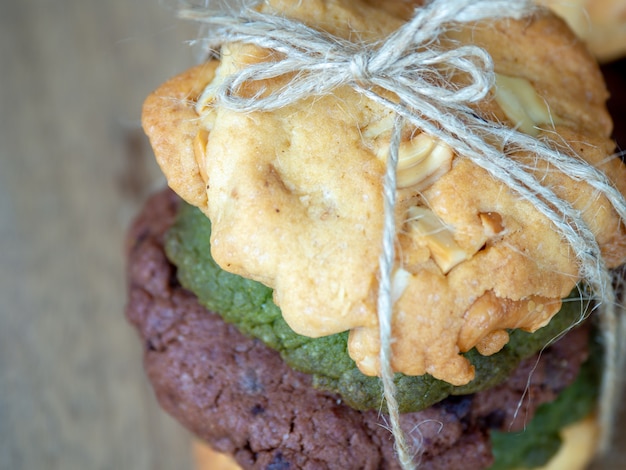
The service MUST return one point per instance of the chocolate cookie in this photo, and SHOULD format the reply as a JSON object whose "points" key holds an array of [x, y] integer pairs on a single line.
{"points": [[237, 394]]}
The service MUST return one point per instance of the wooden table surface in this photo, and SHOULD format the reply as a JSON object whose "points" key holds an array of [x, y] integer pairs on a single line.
{"points": [[74, 167]]}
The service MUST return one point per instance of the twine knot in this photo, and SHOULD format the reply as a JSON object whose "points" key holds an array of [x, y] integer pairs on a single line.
{"points": [[359, 68]]}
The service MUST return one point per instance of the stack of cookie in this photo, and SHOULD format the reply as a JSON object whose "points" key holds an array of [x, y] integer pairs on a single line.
{"points": [[284, 244]]}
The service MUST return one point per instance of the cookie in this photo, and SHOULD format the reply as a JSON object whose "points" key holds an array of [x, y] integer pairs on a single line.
{"points": [[600, 23]]}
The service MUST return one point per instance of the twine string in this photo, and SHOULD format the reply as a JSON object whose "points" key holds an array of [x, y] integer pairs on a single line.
{"points": [[413, 67], [385, 303]]}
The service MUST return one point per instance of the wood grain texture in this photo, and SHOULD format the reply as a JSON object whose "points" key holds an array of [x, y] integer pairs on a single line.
{"points": [[74, 168]]}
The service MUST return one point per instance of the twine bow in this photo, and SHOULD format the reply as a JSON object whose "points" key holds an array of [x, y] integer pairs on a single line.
{"points": [[403, 64], [412, 66]]}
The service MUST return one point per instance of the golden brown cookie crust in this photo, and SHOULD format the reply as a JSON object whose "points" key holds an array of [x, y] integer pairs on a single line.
{"points": [[171, 123]]}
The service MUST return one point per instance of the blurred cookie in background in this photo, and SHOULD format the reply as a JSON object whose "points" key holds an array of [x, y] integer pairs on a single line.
{"points": [[600, 23]]}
